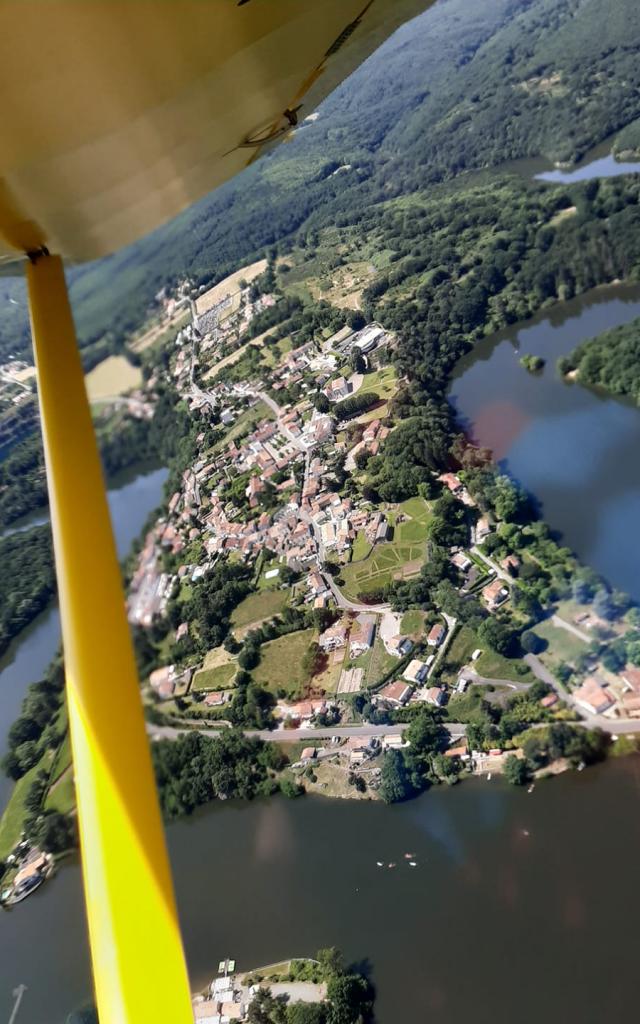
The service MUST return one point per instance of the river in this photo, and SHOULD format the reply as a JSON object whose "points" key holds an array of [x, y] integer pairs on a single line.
{"points": [[493, 924], [573, 448], [131, 500]]}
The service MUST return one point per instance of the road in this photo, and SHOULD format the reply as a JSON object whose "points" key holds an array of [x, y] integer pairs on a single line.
{"points": [[479, 680], [168, 732]]}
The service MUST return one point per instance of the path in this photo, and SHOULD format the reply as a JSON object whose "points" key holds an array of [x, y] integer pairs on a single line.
{"points": [[570, 628], [479, 680], [502, 573]]}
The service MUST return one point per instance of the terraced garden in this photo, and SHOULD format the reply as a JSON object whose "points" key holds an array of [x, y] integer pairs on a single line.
{"points": [[400, 558]]}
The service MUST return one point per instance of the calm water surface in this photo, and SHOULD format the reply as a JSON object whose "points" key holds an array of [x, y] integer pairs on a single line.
{"points": [[574, 449], [493, 925], [27, 658]]}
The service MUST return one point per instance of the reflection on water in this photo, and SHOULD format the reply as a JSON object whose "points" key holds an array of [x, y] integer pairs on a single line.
{"points": [[605, 167], [573, 448]]}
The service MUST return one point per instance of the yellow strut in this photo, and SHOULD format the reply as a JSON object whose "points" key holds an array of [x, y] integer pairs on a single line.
{"points": [[138, 960]]}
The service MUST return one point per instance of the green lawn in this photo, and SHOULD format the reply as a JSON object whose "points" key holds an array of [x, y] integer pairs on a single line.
{"points": [[412, 622], [13, 817], [62, 796], [257, 607], [489, 664], [380, 662], [417, 508], [494, 666], [218, 678], [361, 547], [563, 645], [383, 382], [385, 563], [281, 662]]}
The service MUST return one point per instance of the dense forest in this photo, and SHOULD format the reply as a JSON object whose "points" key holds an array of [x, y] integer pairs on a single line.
{"points": [[27, 583], [610, 361], [462, 87]]}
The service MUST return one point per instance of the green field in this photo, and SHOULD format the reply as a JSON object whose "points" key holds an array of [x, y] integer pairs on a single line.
{"points": [[361, 547], [218, 678], [62, 795], [400, 557], [13, 817], [563, 645], [281, 662], [489, 664], [382, 382], [257, 607], [412, 622]]}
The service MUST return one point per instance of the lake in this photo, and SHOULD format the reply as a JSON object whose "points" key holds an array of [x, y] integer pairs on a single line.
{"points": [[574, 449], [521, 906], [598, 162]]}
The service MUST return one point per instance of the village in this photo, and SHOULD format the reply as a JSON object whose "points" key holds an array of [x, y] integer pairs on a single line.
{"points": [[269, 493]]}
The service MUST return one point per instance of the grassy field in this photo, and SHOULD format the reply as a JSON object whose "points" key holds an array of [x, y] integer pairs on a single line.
{"points": [[13, 817], [383, 382], [281, 662], [257, 607], [361, 547], [489, 664], [62, 795], [563, 645], [379, 663], [113, 376], [229, 285], [217, 672], [400, 557], [412, 622]]}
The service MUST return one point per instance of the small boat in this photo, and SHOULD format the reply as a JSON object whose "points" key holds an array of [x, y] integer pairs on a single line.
{"points": [[379, 864], [409, 856], [392, 865], [412, 864], [489, 777], [526, 832], [531, 788]]}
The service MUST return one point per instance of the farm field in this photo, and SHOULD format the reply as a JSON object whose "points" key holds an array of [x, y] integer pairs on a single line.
{"points": [[280, 664], [217, 672], [258, 607], [396, 559], [112, 377], [229, 285]]}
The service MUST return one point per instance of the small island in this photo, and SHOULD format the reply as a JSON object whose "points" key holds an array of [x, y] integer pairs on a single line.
{"points": [[534, 364]]}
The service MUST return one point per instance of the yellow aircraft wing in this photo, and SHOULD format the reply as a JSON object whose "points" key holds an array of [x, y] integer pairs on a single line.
{"points": [[117, 114]]}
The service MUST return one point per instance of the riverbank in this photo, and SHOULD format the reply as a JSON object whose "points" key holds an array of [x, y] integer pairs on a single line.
{"points": [[27, 660]]}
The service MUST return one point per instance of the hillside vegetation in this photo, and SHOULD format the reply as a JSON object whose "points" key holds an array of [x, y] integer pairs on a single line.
{"points": [[462, 87]]}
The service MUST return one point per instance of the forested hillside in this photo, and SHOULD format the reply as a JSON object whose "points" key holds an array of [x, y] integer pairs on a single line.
{"points": [[464, 86], [610, 361]]}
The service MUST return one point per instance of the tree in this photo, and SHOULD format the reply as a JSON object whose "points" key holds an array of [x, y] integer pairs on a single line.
{"points": [[306, 1013], [499, 636], [55, 832], [350, 999], [394, 781], [290, 788], [604, 606], [531, 642], [331, 961], [516, 770]]}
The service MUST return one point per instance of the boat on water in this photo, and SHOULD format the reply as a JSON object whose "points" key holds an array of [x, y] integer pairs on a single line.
{"points": [[24, 889]]}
